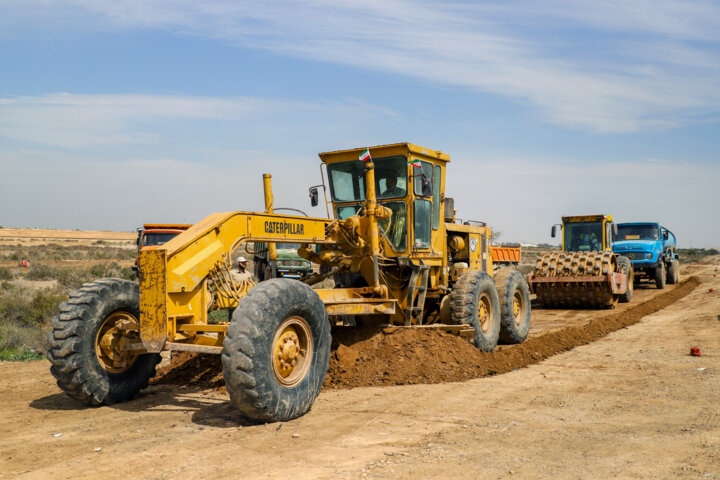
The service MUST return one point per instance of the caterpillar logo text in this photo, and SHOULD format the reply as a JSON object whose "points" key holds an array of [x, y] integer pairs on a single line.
{"points": [[285, 228]]}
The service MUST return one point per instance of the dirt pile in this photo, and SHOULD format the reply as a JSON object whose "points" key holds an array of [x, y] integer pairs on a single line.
{"points": [[399, 356]]}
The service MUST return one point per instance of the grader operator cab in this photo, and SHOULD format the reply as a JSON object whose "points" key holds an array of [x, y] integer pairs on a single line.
{"points": [[586, 273], [393, 239]]}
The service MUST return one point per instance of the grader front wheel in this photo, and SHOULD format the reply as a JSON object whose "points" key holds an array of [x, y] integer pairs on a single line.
{"points": [[87, 344], [111, 336], [277, 350], [292, 350]]}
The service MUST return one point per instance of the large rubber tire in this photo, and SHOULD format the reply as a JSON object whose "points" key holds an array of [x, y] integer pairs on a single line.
{"points": [[475, 292], [75, 361], [251, 372], [673, 273], [514, 295], [660, 275], [625, 266]]}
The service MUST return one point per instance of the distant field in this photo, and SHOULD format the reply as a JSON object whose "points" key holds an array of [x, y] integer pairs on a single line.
{"points": [[36, 233]]}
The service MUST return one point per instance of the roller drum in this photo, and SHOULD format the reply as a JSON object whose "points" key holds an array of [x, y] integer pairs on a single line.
{"points": [[570, 294]]}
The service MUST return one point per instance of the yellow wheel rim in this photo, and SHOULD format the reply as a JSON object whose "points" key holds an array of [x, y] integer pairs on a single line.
{"points": [[110, 340], [519, 308], [485, 313], [292, 351]]}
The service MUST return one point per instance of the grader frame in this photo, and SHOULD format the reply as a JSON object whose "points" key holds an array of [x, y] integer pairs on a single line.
{"points": [[393, 248]]}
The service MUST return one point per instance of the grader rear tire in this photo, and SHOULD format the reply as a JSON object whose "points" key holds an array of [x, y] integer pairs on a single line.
{"points": [[474, 300], [514, 295], [276, 352], [625, 266], [84, 351]]}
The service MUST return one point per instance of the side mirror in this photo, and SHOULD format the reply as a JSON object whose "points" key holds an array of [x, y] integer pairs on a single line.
{"points": [[614, 230], [665, 235], [314, 196], [553, 231]]}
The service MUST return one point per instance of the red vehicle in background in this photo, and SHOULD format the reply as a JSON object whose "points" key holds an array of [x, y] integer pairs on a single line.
{"points": [[154, 234]]}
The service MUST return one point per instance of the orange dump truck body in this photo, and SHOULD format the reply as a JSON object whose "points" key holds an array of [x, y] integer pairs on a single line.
{"points": [[506, 254]]}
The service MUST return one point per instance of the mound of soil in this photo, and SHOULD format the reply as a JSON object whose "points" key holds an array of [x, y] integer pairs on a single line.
{"points": [[399, 356]]}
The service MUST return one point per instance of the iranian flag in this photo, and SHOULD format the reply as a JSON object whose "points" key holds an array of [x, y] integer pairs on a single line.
{"points": [[365, 155], [415, 163]]}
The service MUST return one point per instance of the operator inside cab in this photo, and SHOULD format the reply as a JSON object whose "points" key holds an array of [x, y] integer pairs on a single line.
{"points": [[391, 189]]}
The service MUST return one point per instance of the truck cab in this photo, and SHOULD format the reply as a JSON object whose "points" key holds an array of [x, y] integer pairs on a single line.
{"points": [[288, 264], [152, 235], [651, 248], [586, 233]]}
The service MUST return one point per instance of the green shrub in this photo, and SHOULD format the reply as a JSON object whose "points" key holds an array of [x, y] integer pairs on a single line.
{"points": [[29, 308], [6, 274], [18, 343]]}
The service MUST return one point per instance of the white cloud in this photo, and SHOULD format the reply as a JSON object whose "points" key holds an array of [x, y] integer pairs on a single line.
{"points": [[605, 66], [74, 120]]}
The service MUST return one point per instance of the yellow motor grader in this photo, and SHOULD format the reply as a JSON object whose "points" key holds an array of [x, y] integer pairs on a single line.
{"points": [[393, 249], [586, 273]]}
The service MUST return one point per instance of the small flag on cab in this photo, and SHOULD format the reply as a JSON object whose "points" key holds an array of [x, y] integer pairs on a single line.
{"points": [[365, 155], [415, 163]]}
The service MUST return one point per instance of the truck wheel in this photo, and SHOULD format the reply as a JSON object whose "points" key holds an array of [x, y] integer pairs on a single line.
{"points": [[625, 266], [86, 344], [673, 273], [660, 276], [514, 296], [276, 352], [474, 300]]}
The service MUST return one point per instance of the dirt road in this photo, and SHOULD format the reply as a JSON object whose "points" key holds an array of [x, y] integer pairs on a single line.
{"points": [[631, 405]]}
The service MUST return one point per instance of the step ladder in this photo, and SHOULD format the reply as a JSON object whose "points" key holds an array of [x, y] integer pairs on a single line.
{"points": [[416, 293]]}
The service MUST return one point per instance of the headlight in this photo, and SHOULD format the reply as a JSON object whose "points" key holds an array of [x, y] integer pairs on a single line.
{"points": [[648, 256]]}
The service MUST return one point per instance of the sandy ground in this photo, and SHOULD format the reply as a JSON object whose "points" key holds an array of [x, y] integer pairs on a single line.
{"points": [[631, 405]]}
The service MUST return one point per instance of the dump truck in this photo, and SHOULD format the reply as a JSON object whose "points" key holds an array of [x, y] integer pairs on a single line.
{"points": [[505, 256], [652, 249], [391, 243], [153, 234], [585, 273]]}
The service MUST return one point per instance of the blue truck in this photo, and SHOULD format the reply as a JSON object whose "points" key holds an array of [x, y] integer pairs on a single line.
{"points": [[652, 249]]}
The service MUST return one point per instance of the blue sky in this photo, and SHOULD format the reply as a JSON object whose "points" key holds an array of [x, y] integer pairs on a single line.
{"points": [[113, 114]]}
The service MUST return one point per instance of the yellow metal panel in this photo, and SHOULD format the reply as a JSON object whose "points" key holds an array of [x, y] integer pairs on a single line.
{"points": [[586, 218], [385, 151], [153, 303], [193, 253], [361, 307]]}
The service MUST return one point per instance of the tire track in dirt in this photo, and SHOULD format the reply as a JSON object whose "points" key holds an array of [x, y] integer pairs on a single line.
{"points": [[396, 356]]}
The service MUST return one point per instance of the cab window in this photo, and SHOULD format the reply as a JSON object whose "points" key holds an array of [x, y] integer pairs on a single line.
{"points": [[423, 178], [347, 181], [346, 211], [436, 198], [423, 215], [394, 229], [391, 177]]}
